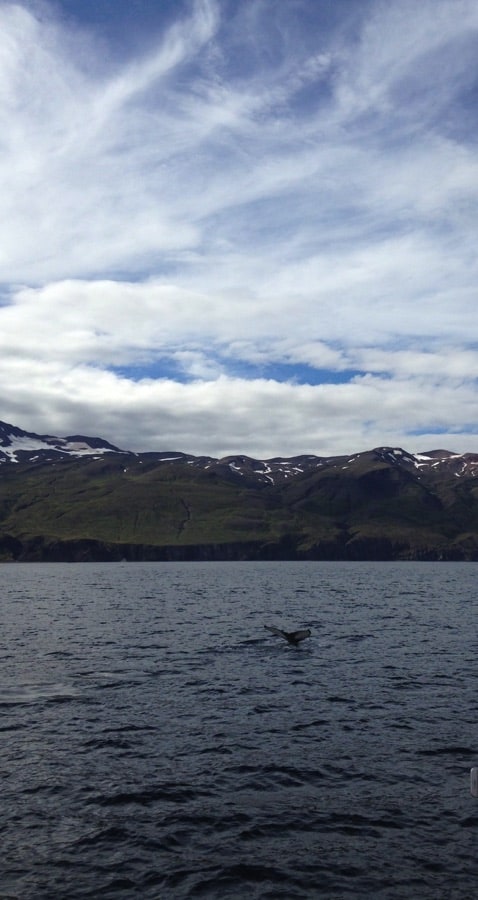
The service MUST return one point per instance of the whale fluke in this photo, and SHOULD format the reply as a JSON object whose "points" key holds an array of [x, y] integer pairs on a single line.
{"points": [[292, 637]]}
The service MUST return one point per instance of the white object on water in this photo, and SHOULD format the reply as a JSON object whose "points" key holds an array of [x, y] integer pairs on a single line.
{"points": [[474, 782]]}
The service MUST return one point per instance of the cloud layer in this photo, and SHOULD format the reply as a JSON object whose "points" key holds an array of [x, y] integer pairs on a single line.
{"points": [[255, 233]]}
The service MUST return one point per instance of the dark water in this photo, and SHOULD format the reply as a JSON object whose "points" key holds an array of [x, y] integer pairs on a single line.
{"points": [[157, 742]]}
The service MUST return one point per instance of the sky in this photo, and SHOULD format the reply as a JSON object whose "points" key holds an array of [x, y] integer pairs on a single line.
{"points": [[240, 226]]}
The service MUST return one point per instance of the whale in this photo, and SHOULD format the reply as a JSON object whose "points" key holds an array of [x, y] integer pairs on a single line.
{"points": [[292, 637]]}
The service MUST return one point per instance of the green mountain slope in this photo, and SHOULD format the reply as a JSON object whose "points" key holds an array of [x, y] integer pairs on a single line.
{"points": [[134, 507]]}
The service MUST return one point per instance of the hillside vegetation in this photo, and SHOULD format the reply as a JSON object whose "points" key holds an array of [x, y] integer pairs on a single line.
{"points": [[122, 506]]}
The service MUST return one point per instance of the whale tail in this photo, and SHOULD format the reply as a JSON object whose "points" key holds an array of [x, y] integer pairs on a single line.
{"points": [[292, 637]]}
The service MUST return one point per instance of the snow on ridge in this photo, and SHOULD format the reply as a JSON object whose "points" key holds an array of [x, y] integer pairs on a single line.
{"points": [[18, 444], [74, 448], [25, 443]]}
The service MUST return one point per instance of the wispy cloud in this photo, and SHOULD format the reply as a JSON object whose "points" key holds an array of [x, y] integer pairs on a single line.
{"points": [[260, 190]]}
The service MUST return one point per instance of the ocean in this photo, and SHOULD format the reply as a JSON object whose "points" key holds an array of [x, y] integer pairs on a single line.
{"points": [[158, 742]]}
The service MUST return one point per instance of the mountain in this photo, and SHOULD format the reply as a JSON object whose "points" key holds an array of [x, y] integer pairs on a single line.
{"points": [[82, 498], [25, 446]]}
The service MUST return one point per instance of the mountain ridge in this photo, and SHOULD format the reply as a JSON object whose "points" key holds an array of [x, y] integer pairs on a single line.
{"points": [[17, 445], [83, 498]]}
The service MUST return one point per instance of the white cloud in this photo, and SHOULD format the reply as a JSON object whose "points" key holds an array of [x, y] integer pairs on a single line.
{"points": [[230, 415], [232, 199]]}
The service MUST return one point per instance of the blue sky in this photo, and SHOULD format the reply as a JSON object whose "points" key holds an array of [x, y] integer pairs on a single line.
{"points": [[240, 226]]}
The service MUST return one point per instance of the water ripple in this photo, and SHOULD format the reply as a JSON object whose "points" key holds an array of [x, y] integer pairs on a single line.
{"points": [[157, 745]]}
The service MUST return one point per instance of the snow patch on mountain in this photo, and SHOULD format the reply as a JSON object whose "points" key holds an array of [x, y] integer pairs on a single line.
{"points": [[18, 446]]}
